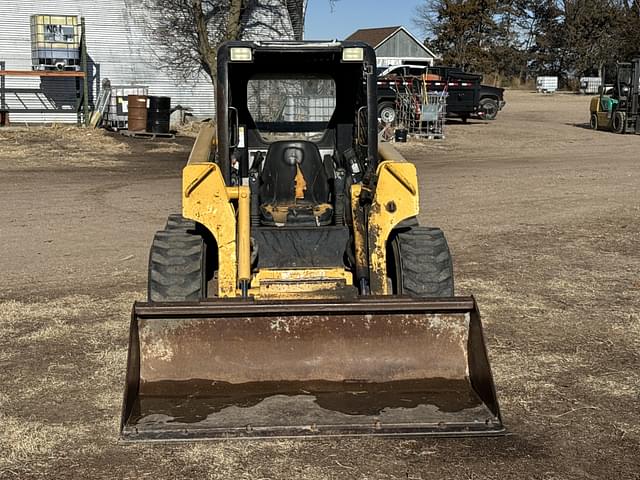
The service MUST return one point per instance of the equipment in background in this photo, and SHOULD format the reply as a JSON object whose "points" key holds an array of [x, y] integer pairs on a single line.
{"points": [[55, 42], [159, 114], [617, 108], [547, 84], [296, 294], [98, 114], [467, 96], [116, 117], [137, 113], [590, 85], [420, 111], [59, 50], [129, 110]]}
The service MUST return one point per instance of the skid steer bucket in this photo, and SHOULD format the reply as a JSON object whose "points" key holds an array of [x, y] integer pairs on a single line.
{"points": [[385, 365]]}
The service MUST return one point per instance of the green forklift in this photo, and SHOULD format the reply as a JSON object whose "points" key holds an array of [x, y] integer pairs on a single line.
{"points": [[617, 108]]}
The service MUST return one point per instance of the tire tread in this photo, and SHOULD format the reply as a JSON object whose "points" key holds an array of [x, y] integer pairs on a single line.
{"points": [[425, 262], [176, 266]]}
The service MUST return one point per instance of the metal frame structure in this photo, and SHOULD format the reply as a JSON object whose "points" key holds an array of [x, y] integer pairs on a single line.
{"points": [[622, 115], [82, 86], [421, 111]]}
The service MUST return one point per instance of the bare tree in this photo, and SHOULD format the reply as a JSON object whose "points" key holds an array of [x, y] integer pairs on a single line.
{"points": [[188, 32]]}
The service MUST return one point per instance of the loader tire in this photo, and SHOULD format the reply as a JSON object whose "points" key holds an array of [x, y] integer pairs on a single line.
{"points": [[175, 221], [422, 263], [177, 267]]}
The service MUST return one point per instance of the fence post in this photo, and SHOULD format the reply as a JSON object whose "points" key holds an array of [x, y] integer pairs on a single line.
{"points": [[85, 83]]}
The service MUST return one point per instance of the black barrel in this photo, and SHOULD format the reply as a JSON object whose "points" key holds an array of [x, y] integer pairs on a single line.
{"points": [[159, 114], [401, 135]]}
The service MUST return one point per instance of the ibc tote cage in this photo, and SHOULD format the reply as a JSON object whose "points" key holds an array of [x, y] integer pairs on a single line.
{"points": [[55, 42], [420, 110]]}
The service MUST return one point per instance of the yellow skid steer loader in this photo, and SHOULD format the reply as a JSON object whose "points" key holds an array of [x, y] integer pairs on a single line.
{"points": [[296, 294]]}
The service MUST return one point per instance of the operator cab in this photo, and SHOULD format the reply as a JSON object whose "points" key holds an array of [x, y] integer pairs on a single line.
{"points": [[298, 128]]}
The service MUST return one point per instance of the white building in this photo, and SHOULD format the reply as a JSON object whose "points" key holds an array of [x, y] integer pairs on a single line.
{"points": [[120, 49]]}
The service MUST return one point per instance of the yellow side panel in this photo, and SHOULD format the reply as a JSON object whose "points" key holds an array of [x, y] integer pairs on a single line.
{"points": [[396, 199], [205, 200]]}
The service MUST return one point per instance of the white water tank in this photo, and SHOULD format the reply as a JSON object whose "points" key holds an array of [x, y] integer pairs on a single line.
{"points": [[589, 85], [546, 84], [55, 42]]}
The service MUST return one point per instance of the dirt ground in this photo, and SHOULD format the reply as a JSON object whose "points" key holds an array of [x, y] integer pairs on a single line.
{"points": [[542, 216]]}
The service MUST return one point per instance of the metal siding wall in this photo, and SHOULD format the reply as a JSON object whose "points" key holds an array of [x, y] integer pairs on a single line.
{"points": [[401, 45], [116, 43]]}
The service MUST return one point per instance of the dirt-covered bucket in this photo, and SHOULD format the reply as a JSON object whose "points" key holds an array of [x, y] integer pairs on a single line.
{"points": [[390, 366]]}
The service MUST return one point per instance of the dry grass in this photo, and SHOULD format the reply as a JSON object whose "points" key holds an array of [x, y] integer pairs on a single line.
{"points": [[76, 363], [25, 441], [189, 129], [166, 147], [549, 248], [26, 148]]}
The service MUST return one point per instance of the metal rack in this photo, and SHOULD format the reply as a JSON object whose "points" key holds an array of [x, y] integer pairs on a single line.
{"points": [[420, 111], [81, 86], [117, 112]]}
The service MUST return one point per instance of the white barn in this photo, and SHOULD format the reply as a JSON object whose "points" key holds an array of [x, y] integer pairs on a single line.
{"points": [[120, 49]]}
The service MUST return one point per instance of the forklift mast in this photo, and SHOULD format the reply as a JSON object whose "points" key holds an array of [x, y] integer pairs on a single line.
{"points": [[634, 90], [628, 85]]}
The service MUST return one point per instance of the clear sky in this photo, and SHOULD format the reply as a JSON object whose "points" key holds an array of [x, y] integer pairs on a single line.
{"points": [[349, 15]]}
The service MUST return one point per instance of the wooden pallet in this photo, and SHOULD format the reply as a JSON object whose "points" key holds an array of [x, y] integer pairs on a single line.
{"points": [[150, 135]]}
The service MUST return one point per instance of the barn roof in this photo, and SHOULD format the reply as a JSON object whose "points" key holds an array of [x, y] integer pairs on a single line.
{"points": [[373, 36]]}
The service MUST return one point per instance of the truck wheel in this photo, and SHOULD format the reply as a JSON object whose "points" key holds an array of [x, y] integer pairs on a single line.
{"points": [[594, 121], [387, 112], [619, 122], [488, 108], [420, 263], [177, 267]]}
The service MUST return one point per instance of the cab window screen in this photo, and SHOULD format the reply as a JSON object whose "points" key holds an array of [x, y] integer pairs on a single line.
{"points": [[291, 107]]}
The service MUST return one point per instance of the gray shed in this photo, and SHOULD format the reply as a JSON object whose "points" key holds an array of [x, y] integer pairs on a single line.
{"points": [[394, 45]]}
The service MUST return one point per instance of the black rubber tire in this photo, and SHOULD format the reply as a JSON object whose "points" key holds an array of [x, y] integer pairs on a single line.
{"points": [[618, 122], [489, 108], [177, 221], [593, 123], [177, 267], [383, 112], [422, 264]]}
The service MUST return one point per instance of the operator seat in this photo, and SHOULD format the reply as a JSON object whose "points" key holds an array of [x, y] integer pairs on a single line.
{"points": [[294, 188]]}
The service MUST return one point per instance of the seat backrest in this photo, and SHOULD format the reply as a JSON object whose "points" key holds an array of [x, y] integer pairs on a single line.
{"points": [[279, 171]]}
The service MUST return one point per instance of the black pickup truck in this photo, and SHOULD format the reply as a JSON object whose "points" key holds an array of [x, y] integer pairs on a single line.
{"points": [[467, 96]]}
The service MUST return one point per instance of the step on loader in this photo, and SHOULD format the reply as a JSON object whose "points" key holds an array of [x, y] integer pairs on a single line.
{"points": [[296, 294]]}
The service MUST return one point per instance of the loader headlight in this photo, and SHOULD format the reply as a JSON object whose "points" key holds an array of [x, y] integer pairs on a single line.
{"points": [[241, 54], [353, 54]]}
